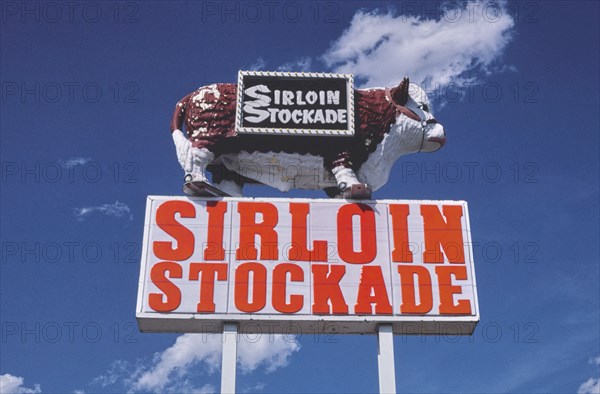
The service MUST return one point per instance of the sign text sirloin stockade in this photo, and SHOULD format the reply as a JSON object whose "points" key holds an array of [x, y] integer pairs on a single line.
{"points": [[284, 257], [257, 109], [279, 103]]}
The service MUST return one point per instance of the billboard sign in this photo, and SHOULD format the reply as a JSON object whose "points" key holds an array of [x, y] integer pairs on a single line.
{"points": [[295, 103], [306, 266]]}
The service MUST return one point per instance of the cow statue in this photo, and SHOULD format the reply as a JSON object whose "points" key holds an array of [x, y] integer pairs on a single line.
{"points": [[390, 122]]}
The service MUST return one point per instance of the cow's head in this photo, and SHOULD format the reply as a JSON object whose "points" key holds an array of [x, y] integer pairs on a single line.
{"points": [[424, 131]]}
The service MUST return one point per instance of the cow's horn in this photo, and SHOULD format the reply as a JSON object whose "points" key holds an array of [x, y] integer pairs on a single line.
{"points": [[400, 92]]}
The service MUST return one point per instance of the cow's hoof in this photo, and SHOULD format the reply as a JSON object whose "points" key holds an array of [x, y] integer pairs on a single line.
{"points": [[358, 191], [333, 192], [203, 189]]}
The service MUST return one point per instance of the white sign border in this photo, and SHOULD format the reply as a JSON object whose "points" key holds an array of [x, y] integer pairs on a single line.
{"points": [[308, 324]]}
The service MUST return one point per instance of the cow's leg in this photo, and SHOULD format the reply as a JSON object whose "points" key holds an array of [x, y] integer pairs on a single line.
{"points": [[193, 160], [201, 158], [345, 177], [332, 192], [349, 185]]}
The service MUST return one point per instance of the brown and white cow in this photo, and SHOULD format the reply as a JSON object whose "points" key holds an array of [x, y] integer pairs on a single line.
{"points": [[390, 122]]}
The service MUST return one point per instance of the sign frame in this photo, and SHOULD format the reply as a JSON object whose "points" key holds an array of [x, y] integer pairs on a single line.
{"points": [[241, 129], [309, 324]]}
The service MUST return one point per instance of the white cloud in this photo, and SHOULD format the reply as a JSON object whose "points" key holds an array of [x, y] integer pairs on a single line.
{"points": [[591, 386], [258, 65], [117, 209], [187, 387], [300, 65], [119, 372], [272, 352], [254, 388], [10, 384], [168, 370], [381, 48], [188, 349], [75, 161]]}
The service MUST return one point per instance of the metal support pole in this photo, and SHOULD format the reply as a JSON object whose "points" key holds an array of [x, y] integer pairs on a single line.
{"points": [[385, 359], [228, 362]]}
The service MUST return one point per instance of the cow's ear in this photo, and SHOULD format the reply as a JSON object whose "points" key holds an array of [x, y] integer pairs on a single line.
{"points": [[400, 92]]}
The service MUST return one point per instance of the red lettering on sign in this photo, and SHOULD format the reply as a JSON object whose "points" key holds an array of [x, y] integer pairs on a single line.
{"points": [[408, 288], [249, 229], [401, 252], [326, 287], [170, 292], [329, 243], [214, 240], [280, 274], [372, 290], [447, 233], [206, 273], [259, 287], [368, 236], [299, 250], [165, 219], [447, 290]]}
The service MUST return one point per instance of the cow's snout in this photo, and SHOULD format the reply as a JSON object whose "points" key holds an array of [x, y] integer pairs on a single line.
{"points": [[434, 138]]}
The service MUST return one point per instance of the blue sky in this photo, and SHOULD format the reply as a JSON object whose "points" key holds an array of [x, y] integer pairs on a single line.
{"points": [[87, 94]]}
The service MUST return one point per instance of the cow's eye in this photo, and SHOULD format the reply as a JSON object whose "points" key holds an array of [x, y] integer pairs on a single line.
{"points": [[425, 108]]}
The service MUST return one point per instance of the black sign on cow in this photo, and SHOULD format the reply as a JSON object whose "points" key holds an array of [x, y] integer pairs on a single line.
{"points": [[295, 103]]}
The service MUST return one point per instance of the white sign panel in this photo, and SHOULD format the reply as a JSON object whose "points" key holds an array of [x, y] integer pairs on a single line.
{"points": [[307, 266]]}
